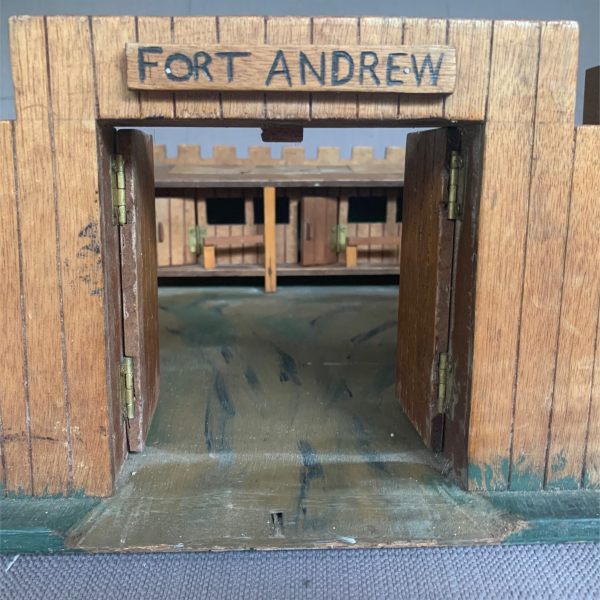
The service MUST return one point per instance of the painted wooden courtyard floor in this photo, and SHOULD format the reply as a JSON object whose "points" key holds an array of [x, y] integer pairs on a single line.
{"points": [[277, 427]]}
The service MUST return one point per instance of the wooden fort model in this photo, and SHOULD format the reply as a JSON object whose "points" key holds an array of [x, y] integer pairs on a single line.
{"points": [[498, 360]]}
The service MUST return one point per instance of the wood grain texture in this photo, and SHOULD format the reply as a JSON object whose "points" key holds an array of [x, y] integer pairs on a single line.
{"points": [[138, 273], [46, 371], [80, 248], [504, 202], [544, 261], [115, 100], [578, 321], [591, 470], [113, 304], [15, 446], [163, 231], [383, 31], [416, 31], [270, 250], [182, 218], [196, 105], [319, 215], [425, 279], [232, 30], [330, 30], [155, 30], [285, 31], [473, 42]]}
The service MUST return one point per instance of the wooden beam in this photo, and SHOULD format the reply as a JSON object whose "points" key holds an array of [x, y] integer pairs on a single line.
{"points": [[379, 240], [269, 240], [209, 257], [351, 256], [233, 240]]}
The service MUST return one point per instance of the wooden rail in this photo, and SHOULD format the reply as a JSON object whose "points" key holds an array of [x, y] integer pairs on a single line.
{"points": [[354, 242]]}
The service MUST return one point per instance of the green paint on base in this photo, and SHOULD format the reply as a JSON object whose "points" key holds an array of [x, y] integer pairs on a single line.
{"points": [[40, 524]]}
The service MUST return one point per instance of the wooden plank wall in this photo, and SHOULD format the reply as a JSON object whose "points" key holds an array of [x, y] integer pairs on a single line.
{"points": [[537, 234]]}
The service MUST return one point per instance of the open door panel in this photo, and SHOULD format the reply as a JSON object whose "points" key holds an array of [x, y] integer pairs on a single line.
{"points": [[425, 281], [139, 280], [319, 216]]}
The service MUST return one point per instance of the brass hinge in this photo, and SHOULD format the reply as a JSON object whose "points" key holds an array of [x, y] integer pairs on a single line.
{"points": [[196, 237], [444, 382], [118, 189], [454, 210], [127, 395], [339, 238]]}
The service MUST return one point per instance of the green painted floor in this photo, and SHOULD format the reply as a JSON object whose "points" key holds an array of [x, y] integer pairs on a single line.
{"points": [[277, 427]]}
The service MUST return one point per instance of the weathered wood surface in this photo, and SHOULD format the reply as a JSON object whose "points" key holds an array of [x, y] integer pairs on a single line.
{"points": [[318, 215], [224, 168], [410, 69], [547, 219], [138, 276], [15, 445], [571, 431], [426, 275], [502, 232], [348, 471]]}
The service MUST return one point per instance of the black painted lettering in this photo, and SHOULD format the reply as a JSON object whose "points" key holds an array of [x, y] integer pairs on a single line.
{"points": [[230, 56], [202, 66], [368, 66], [143, 63], [434, 72], [282, 70], [304, 63], [180, 58], [391, 68], [336, 57]]}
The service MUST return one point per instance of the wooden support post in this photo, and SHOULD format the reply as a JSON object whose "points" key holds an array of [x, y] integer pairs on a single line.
{"points": [[351, 256], [269, 241], [209, 257]]}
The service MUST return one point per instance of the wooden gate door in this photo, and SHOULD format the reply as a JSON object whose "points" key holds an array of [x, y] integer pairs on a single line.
{"points": [[425, 281], [139, 281], [319, 216]]}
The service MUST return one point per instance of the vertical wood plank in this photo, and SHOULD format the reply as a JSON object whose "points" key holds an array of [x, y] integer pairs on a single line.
{"points": [[502, 230], [422, 31], [178, 233], [291, 234], [40, 267], [115, 100], [196, 105], [250, 252], [288, 30], [13, 400], [578, 320], [328, 31], [379, 31], [80, 247], [163, 233], [156, 30], [270, 243], [546, 234], [249, 30], [591, 471], [473, 42]]}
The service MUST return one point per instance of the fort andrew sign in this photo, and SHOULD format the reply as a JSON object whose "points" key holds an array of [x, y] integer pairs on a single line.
{"points": [[397, 69]]}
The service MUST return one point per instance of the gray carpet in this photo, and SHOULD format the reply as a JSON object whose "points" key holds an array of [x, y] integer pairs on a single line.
{"points": [[543, 571]]}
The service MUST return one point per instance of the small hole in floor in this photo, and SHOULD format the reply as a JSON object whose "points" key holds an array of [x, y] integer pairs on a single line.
{"points": [[277, 523]]}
